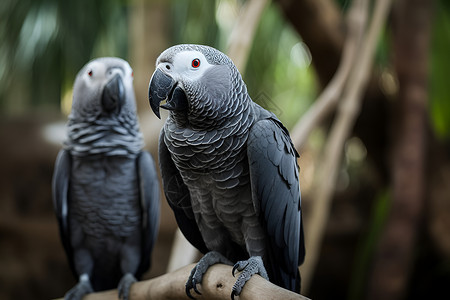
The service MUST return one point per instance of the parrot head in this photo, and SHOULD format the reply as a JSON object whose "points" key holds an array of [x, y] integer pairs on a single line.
{"points": [[194, 80], [103, 118], [104, 86]]}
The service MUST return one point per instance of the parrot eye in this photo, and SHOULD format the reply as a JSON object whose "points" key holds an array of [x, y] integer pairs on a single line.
{"points": [[90, 73], [196, 63]]}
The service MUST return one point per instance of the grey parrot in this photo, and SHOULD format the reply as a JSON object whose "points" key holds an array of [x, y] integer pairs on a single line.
{"points": [[105, 187], [229, 169]]}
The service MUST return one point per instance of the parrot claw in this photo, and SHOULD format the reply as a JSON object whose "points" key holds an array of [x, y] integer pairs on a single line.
{"points": [[240, 265], [188, 292], [192, 283], [254, 265], [82, 288], [125, 285], [234, 270], [196, 290], [200, 269], [233, 293]]}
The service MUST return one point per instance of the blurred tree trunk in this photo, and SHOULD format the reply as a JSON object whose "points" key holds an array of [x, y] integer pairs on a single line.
{"points": [[394, 256], [147, 39]]}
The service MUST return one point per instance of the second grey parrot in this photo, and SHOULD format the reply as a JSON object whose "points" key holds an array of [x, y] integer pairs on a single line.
{"points": [[229, 169], [105, 188]]}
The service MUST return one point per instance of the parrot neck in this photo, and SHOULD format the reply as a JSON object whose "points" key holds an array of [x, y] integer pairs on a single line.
{"points": [[110, 137], [214, 116]]}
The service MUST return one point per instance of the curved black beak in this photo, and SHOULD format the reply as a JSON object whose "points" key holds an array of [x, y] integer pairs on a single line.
{"points": [[113, 96], [163, 87]]}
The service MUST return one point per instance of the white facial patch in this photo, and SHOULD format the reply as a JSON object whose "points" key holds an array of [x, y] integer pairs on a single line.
{"points": [[95, 73], [187, 65]]}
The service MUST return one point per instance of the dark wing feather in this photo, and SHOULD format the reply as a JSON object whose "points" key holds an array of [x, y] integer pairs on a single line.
{"points": [[178, 197], [276, 191], [60, 191], [149, 196]]}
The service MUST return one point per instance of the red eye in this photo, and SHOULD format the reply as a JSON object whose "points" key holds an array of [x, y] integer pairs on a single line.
{"points": [[196, 63], [90, 73]]}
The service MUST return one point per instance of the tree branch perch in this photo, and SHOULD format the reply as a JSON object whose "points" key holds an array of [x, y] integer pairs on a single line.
{"points": [[216, 285]]}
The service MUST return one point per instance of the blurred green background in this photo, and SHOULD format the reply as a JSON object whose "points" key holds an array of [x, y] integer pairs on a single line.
{"points": [[44, 43]]}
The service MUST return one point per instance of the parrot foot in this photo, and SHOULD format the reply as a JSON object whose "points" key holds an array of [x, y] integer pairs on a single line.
{"points": [[125, 285], [254, 265], [82, 288], [200, 269]]}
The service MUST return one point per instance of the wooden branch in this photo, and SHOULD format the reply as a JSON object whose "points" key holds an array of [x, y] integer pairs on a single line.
{"points": [[241, 38], [216, 285], [328, 99], [182, 253], [349, 108]]}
